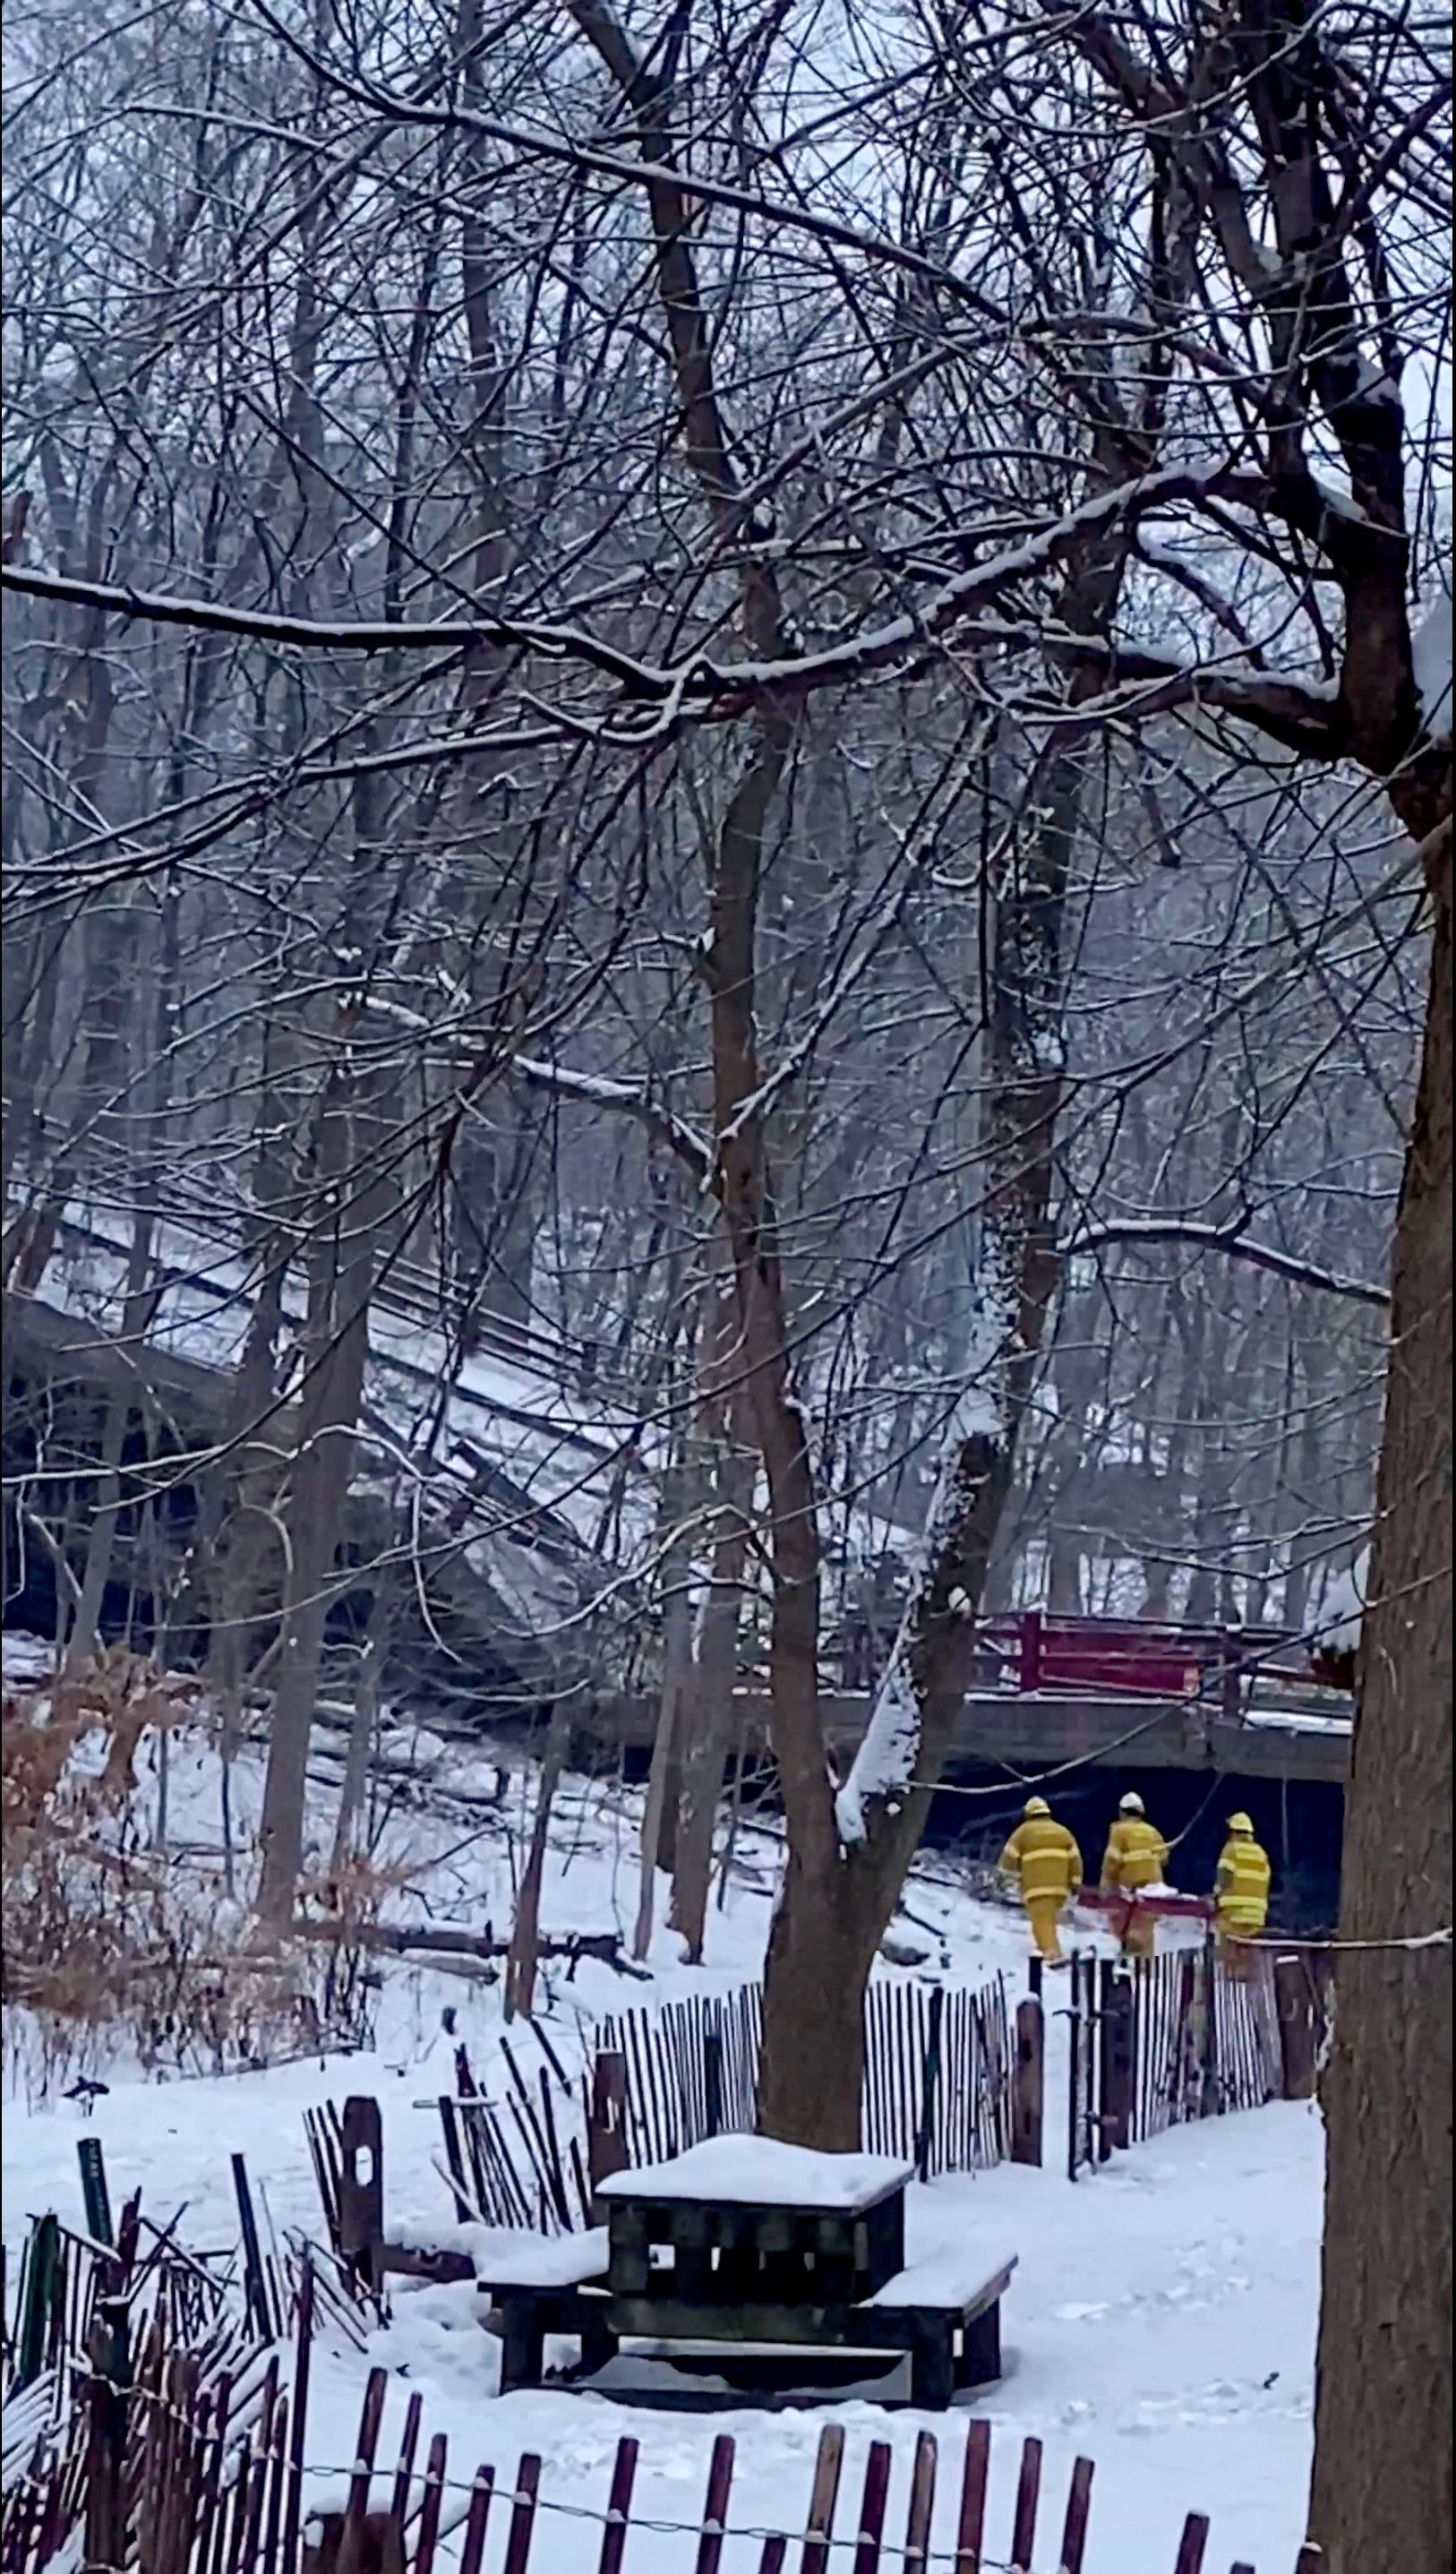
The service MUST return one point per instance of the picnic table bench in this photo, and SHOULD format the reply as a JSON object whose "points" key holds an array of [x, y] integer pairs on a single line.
{"points": [[760, 2249], [543, 2284]]}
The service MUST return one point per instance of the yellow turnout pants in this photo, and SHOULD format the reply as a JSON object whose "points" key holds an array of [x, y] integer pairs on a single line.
{"points": [[1042, 1911], [1139, 1933], [1234, 1953]]}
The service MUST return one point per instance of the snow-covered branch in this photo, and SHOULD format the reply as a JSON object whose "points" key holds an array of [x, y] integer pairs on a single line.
{"points": [[1233, 1243], [599, 1092]]}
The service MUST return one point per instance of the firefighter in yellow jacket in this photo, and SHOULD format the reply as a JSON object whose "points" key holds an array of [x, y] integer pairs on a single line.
{"points": [[1135, 1858], [1047, 1865], [1240, 1893]]}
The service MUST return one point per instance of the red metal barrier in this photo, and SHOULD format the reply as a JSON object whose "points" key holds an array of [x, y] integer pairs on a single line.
{"points": [[1162, 1908], [1116, 1656]]}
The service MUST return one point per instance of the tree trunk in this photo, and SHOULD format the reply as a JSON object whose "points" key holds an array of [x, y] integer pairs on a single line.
{"points": [[362, 1726], [839, 1905], [336, 1346], [811, 2068], [659, 1820], [1382, 2471], [525, 1949], [139, 1305], [705, 1752], [835, 1908]]}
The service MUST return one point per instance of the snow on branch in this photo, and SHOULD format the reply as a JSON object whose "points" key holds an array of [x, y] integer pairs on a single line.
{"points": [[1232, 1243], [600, 1092], [699, 689], [1342, 1609], [885, 1764], [551, 643]]}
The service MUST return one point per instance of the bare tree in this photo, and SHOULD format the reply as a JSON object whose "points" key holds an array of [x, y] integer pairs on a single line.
{"points": [[694, 598]]}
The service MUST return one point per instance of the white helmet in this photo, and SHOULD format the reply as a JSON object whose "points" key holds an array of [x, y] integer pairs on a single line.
{"points": [[1131, 1804]]}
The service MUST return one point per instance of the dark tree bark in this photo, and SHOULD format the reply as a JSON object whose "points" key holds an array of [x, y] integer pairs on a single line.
{"points": [[659, 1831], [1382, 2475], [710, 1731], [523, 1953]]}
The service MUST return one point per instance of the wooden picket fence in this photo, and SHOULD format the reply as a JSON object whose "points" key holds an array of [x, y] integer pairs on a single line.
{"points": [[524, 2161], [1166, 2040], [938, 2094], [155, 2422], [938, 2074], [177, 2464]]}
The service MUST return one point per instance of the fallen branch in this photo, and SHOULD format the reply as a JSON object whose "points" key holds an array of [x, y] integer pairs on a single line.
{"points": [[396, 1940]]}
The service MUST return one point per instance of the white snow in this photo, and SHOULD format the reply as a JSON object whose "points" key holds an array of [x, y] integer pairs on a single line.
{"points": [[949, 2275], [1431, 654], [1161, 2319], [884, 1763], [505, 2259], [1343, 1609], [758, 2171]]}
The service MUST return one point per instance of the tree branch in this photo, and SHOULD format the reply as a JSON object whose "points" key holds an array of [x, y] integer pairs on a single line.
{"points": [[599, 1092], [1233, 1244]]}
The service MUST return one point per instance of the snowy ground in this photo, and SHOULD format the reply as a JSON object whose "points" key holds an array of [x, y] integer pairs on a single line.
{"points": [[1162, 2321]]}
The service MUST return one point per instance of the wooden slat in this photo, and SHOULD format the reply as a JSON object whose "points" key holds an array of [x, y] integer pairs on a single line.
{"points": [[304, 2333], [921, 2503], [523, 2515], [427, 2529], [473, 2542], [1189, 2559], [716, 2505], [276, 2490], [828, 2463], [371, 2416], [1074, 2527], [871, 2508], [1028, 2495], [971, 2527], [619, 2504], [405, 2468]]}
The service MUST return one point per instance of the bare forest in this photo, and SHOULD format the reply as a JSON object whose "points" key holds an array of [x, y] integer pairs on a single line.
{"points": [[728, 911]]}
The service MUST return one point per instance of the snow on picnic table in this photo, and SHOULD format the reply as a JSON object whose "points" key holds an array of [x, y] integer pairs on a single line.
{"points": [[758, 2171]]}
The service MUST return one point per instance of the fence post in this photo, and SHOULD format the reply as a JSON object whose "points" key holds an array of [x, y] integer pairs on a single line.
{"points": [[94, 2196], [1075, 2069], [105, 2521], [606, 2126], [37, 2295], [257, 2301], [929, 2081], [1192, 2544], [1116, 2085], [1205, 2031], [1294, 2002], [1029, 2082], [713, 2078], [361, 2187], [1028, 2495]]}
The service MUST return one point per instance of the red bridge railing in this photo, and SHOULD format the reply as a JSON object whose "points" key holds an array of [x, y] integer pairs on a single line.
{"points": [[1106, 1657]]}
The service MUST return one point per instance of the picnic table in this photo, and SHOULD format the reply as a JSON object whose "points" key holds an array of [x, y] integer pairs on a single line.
{"points": [[766, 2248]]}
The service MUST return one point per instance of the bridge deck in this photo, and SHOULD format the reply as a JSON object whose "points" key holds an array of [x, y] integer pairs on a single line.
{"points": [[1029, 1732]]}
